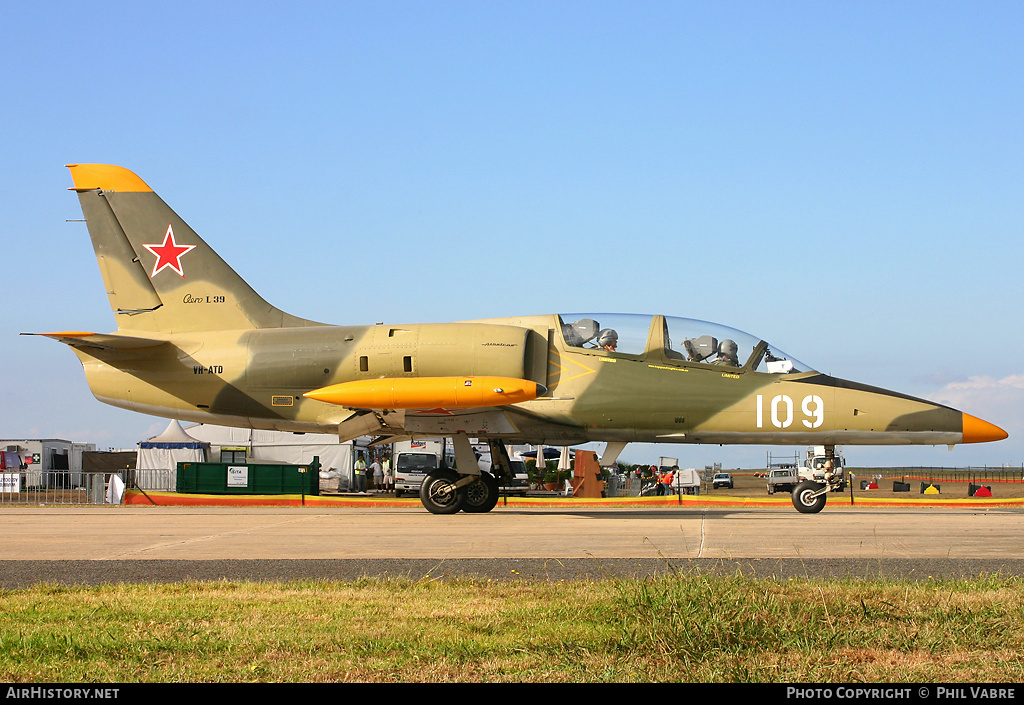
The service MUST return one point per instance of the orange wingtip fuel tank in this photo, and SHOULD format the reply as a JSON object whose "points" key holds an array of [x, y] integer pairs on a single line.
{"points": [[429, 392]]}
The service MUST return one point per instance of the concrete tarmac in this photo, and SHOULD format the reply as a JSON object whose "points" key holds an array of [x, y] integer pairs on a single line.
{"points": [[92, 545]]}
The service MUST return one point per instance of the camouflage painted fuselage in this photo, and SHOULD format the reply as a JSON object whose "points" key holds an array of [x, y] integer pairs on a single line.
{"points": [[196, 343], [257, 378]]}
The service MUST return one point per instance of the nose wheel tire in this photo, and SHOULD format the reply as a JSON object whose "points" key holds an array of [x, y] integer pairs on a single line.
{"points": [[804, 499], [439, 494], [482, 495]]}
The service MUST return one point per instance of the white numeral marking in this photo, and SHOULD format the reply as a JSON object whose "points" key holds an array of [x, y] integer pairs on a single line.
{"points": [[781, 405]]}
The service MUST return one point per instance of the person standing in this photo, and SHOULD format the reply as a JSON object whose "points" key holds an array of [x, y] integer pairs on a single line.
{"points": [[378, 475], [360, 473], [647, 478], [389, 477]]}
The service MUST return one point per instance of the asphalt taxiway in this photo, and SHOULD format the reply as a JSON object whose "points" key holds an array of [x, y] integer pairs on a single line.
{"points": [[90, 545]]}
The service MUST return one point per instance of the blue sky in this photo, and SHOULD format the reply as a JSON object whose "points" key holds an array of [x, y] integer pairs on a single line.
{"points": [[841, 179]]}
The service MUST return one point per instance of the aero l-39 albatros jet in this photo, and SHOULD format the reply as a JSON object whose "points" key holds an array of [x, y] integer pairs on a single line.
{"points": [[194, 342]]}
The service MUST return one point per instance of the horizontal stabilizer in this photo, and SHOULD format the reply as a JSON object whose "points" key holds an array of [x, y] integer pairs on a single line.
{"points": [[429, 392], [102, 341]]}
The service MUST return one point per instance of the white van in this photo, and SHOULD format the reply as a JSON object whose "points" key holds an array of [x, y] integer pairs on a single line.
{"points": [[520, 479], [410, 468]]}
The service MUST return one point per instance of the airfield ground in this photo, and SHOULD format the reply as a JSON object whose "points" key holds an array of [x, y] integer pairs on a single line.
{"points": [[542, 537]]}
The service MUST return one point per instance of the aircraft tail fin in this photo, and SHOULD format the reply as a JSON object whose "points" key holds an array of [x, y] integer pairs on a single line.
{"points": [[159, 274]]}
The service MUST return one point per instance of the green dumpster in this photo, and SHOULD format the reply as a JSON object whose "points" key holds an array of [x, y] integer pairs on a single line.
{"points": [[248, 478]]}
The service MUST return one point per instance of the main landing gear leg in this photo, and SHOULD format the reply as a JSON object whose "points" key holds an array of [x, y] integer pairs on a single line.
{"points": [[470, 490], [481, 488], [482, 495], [440, 492]]}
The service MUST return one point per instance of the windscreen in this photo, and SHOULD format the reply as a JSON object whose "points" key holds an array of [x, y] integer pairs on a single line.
{"points": [[611, 332], [416, 462], [685, 339], [714, 344]]}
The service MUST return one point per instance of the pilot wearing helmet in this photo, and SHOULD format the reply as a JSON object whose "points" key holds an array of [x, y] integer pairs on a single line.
{"points": [[727, 354], [608, 340]]}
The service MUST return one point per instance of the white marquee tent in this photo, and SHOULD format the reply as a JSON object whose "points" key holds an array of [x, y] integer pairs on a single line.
{"points": [[169, 448], [159, 456], [282, 447]]}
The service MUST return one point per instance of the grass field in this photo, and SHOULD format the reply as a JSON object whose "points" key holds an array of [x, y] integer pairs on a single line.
{"points": [[686, 627]]}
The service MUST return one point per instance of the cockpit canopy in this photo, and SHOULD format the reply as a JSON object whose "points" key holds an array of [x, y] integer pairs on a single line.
{"points": [[684, 340]]}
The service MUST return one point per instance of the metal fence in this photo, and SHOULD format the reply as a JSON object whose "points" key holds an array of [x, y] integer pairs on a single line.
{"points": [[1004, 474], [55, 487], [158, 480], [77, 486]]}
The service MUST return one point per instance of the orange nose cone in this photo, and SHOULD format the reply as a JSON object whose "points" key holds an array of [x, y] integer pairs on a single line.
{"points": [[978, 431]]}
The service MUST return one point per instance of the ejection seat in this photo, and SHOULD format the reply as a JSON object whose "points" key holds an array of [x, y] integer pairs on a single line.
{"points": [[698, 349], [580, 332]]}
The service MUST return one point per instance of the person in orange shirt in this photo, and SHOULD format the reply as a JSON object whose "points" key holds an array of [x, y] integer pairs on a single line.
{"points": [[670, 476]]}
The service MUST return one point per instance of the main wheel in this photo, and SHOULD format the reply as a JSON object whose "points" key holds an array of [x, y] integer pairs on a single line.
{"points": [[439, 494], [482, 495], [803, 498]]}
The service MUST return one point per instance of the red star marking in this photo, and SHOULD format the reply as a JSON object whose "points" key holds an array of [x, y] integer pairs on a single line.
{"points": [[168, 254]]}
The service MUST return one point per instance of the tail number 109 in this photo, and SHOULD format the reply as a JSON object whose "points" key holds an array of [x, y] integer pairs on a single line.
{"points": [[781, 411]]}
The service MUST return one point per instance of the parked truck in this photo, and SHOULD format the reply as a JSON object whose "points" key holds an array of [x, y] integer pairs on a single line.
{"points": [[784, 476], [11, 460], [12, 477], [411, 461]]}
